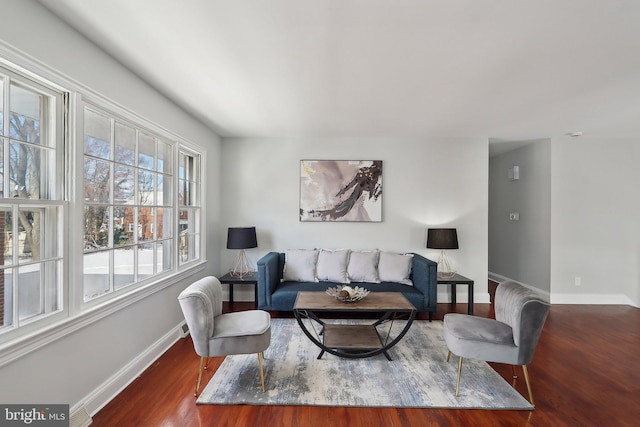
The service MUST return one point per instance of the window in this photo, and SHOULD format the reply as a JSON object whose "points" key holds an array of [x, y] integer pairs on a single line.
{"points": [[129, 205], [31, 208], [112, 173], [188, 199]]}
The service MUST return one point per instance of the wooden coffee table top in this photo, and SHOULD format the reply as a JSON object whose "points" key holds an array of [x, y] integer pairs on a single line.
{"points": [[375, 301]]}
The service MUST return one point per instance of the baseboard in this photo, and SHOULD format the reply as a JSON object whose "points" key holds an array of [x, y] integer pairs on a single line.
{"points": [[98, 398], [79, 416], [592, 299], [587, 299]]}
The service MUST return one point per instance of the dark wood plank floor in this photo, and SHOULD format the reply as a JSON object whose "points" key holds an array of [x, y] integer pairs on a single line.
{"points": [[586, 372]]}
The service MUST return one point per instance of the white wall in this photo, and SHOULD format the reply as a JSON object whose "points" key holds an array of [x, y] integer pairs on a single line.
{"points": [[595, 220], [90, 365], [520, 250], [426, 182]]}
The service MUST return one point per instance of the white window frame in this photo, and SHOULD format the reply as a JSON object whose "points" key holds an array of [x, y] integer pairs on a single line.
{"points": [[126, 117], [54, 131], [74, 314], [194, 206]]}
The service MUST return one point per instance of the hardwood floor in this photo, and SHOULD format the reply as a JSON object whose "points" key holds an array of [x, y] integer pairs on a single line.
{"points": [[585, 373]]}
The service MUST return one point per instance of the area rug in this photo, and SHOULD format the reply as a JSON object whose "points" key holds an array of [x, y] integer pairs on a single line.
{"points": [[417, 377]]}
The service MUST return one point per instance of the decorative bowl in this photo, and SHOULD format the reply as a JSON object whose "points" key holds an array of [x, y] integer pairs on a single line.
{"points": [[347, 293]]}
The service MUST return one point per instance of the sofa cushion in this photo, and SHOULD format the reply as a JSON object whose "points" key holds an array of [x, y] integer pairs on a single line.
{"points": [[394, 267], [300, 265], [332, 265], [363, 266]]}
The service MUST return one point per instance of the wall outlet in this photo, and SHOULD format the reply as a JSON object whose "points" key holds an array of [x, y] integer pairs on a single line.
{"points": [[577, 281], [514, 216]]}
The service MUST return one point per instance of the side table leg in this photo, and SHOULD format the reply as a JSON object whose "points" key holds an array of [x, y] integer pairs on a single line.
{"points": [[255, 296], [470, 308], [231, 293]]}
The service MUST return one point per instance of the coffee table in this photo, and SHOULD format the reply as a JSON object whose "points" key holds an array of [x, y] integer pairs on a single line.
{"points": [[354, 340]]}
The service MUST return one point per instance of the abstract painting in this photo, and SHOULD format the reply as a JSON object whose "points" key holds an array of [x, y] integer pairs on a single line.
{"points": [[341, 190]]}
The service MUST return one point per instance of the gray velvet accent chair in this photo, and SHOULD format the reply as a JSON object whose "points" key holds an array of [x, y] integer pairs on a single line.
{"points": [[216, 334], [510, 338]]}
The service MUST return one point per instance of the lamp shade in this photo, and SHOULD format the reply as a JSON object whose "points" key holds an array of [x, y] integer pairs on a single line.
{"points": [[442, 238], [241, 238]]}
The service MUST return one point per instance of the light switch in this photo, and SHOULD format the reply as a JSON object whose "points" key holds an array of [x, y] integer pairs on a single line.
{"points": [[514, 216]]}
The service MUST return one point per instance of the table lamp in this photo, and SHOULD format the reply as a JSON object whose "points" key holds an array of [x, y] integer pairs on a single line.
{"points": [[241, 238], [443, 238]]}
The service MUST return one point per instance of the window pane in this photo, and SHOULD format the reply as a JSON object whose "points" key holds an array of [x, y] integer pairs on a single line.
{"points": [[165, 195], [185, 193], [96, 274], [124, 185], [6, 287], [164, 256], [123, 262], [123, 225], [145, 260], [97, 180], [165, 223], [145, 224], [30, 295], [25, 113], [97, 135], [96, 227], [189, 248], [183, 225], [146, 151], [184, 248], [164, 157], [1, 110], [146, 187], [183, 167], [24, 170], [125, 144], [1, 164], [30, 235], [6, 238], [193, 194]]}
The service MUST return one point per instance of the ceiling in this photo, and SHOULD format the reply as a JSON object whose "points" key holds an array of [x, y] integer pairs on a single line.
{"points": [[500, 69]]}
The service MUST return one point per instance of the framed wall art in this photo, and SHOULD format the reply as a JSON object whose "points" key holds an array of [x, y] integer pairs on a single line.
{"points": [[341, 190]]}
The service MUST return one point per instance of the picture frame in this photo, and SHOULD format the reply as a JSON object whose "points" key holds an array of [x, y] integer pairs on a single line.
{"points": [[341, 191]]}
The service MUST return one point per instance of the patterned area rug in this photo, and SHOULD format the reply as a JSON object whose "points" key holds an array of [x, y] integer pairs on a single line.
{"points": [[417, 377]]}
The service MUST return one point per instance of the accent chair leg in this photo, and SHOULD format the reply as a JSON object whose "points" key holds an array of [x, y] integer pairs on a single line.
{"points": [[199, 376], [449, 356], [514, 375], [526, 378], [459, 372], [260, 356]]}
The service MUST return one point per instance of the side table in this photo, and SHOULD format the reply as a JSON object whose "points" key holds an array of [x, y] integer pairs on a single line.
{"points": [[459, 280], [250, 279]]}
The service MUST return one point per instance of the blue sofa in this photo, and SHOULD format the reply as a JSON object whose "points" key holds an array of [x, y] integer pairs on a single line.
{"points": [[277, 295]]}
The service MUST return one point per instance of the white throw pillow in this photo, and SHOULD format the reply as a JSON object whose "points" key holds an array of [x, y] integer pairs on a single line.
{"points": [[332, 265], [300, 265], [394, 267], [363, 266]]}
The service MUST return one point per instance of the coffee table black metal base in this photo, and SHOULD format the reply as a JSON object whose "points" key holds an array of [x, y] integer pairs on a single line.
{"points": [[353, 341]]}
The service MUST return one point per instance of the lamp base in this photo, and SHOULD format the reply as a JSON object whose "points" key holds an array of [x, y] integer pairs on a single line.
{"points": [[241, 268], [444, 267], [446, 274]]}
